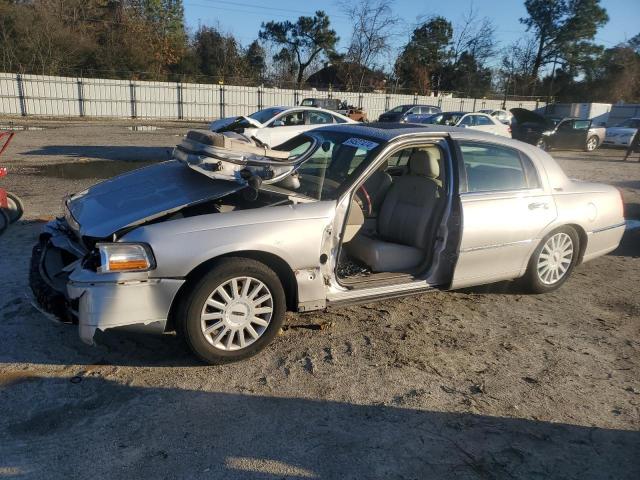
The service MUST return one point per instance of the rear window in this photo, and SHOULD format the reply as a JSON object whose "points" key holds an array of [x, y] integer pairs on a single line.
{"points": [[490, 167]]}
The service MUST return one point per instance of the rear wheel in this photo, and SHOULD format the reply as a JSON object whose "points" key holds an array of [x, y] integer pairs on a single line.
{"points": [[592, 143], [552, 261], [232, 312]]}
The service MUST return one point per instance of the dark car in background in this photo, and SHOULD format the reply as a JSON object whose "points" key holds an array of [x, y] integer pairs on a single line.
{"points": [[527, 126], [409, 113], [546, 133], [573, 133]]}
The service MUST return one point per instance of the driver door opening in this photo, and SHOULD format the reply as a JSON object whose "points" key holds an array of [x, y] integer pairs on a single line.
{"points": [[391, 227]]}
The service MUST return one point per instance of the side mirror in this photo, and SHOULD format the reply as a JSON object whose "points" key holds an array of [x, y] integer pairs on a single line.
{"points": [[278, 123]]}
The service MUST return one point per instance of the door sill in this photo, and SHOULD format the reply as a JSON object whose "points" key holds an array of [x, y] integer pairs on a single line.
{"points": [[363, 295]]}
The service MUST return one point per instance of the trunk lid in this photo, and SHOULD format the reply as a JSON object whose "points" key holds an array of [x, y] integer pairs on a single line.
{"points": [[140, 196]]}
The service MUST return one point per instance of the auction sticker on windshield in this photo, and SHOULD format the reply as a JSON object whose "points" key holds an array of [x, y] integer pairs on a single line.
{"points": [[360, 143]]}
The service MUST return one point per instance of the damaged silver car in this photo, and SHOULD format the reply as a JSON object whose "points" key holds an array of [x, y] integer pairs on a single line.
{"points": [[218, 243]]}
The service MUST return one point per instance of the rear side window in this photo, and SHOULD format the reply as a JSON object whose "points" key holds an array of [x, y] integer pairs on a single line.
{"points": [[468, 120], [319, 118], [481, 120], [490, 167]]}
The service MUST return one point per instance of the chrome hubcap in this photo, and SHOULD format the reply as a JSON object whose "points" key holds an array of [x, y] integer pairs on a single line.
{"points": [[591, 144], [555, 258], [237, 313]]}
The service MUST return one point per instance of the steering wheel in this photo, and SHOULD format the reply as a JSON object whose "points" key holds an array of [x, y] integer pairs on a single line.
{"points": [[362, 197]]}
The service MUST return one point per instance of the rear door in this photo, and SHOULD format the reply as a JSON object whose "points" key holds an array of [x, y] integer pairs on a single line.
{"points": [[505, 207], [579, 133]]}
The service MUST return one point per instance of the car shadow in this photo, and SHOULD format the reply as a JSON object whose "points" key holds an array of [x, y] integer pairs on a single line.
{"points": [[105, 152], [93, 427]]}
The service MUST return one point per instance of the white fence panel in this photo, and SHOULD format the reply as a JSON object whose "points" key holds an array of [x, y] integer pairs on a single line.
{"points": [[51, 96], [200, 101], [156, 99], [106, 98], [9, 94]]}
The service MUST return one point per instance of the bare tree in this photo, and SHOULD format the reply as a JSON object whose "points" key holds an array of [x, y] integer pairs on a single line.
{"points": [[517, 66], [475, 36], [374, 25]]}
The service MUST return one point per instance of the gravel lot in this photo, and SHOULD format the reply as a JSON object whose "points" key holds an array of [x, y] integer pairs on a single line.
{"points": [[483, 383]]}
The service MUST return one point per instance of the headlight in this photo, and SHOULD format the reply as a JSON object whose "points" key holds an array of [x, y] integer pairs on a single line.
{"points": [[125, 257]]}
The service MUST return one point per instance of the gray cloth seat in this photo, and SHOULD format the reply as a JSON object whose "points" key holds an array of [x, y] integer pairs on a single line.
{"points": [[403, 223]]}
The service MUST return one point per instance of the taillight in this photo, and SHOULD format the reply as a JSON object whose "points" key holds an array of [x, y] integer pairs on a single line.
{"points": [[3, 172]]}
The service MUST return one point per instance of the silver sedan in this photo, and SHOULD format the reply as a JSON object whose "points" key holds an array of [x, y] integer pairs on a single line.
{"points": [[221, 241]]}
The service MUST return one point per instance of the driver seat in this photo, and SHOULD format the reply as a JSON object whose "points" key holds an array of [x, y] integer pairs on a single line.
{"points": [[407, 210]]}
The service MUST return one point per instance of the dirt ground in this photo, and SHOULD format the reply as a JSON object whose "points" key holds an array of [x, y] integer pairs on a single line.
{"points": [[484, 383]]}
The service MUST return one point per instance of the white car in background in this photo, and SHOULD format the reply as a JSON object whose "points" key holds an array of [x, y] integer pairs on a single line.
{"points": [[484, 123], [275, 125], [500, 115], [621, 134]]}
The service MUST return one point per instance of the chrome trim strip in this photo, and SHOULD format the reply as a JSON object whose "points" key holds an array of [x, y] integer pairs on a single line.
{"points": [[499, 245], [611, 227]]}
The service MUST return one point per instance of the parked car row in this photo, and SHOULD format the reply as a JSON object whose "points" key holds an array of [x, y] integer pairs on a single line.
{"points": [[275, 125]]}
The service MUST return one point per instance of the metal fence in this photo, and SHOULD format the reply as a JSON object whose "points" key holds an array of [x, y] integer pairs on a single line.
{"points": [[39, 95]]}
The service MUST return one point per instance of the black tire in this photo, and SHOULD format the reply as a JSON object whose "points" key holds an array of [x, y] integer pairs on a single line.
{"points": [[532, 281], [188, 321], [588, 147], [16, 207], [48, 298], [4, 221]]}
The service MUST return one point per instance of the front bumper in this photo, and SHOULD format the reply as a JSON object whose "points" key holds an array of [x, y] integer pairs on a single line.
{"points": [[133, 305], [92, 300]]}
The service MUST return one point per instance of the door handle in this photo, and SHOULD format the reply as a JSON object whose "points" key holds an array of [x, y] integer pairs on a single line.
{"points": [[535, 205]]}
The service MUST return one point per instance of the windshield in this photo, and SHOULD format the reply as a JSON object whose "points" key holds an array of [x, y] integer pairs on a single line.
{"points": [[265, 115], [630, 123], [400, 109], [337, 160]]}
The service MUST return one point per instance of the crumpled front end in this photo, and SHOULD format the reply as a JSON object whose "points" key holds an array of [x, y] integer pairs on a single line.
{"points": [[67, 285]]}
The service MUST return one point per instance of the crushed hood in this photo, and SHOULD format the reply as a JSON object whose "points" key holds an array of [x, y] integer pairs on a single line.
{"points": [[142, 195], [223, 123]]}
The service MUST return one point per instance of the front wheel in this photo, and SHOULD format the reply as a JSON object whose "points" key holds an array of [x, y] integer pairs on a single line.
{"points": [[592, 143], [552, 261], [543, 145], [232, 312]]}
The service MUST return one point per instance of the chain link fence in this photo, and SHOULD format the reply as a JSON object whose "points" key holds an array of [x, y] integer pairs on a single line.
{"points": [[39, 95]]}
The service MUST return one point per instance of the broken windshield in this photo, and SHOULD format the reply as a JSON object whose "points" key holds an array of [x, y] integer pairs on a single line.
{"points": [[263, 116], [336, 161]]}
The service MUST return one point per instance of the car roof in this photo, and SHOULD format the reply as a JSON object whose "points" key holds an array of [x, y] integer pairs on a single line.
{"points": [[387, 132]]}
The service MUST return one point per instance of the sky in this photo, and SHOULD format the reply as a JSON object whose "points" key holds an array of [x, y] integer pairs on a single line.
{"points": [[242, 18]]}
